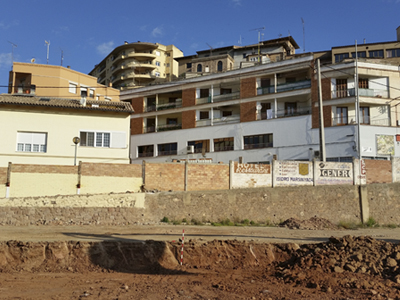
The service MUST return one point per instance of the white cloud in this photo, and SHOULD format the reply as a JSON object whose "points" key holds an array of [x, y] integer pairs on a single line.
{"points": [[5, 59], [143, 27], [61, 30], [5, 26], [157, 32], [237, 2], [105, 48], [194, 46]]}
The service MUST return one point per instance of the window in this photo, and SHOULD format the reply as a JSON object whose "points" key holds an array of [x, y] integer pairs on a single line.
{"points": [[290, 108], [158, 63], [146, 151], [157, 74], [341, 88], [359, 54], [167, 65], [219, 66], [204, 115], [204, 93], [83, 92], [158, 53], [225, 144], [72, 88], [341, 56], [172, 121], [199, 68], [363, 83], [290, 79], [265, 82], [200, 146], [95, 139], [364, 115], [31, 142], [341, 115], [393, 53], [244, 55], [376, 53], [225, 91], [167, 149], [258, 141], [188, 65], [91, 93], [226, 113]]}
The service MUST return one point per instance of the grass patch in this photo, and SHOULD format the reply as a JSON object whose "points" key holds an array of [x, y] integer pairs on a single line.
{"points": [[348, 225]]}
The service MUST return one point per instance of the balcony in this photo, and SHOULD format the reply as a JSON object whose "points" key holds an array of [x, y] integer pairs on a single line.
{"points": [[227, 120], [203, 100], [224, 97], [366, 120], [170, 105], [140, 56], [202, 123], [167, 127], [290, 86], [149, 129], [376, 93]]}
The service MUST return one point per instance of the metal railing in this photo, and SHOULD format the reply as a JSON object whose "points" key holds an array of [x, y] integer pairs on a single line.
{"points": [[224, 97], [227, 120], [284, 87], [168, 127], [361, 92], [149, 129], [365, 120]]}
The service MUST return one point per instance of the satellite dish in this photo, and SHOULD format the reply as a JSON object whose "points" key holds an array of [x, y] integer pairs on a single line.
{"points": [[33, 60]]}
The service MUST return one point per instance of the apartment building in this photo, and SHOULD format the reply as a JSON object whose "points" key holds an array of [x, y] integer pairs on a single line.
{"points": [[133, 65], [33, 79], [270, 111], [234, 57]]}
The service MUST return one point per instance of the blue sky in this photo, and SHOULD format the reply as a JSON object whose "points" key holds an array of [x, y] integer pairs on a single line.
{"points": [[86, 31]]}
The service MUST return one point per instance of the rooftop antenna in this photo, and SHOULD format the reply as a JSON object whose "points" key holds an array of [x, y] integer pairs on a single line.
{"points": [[62, 56], [259, 38], [48, 46], [211, 48], [12, 53], [240, 40], [304, 36]]}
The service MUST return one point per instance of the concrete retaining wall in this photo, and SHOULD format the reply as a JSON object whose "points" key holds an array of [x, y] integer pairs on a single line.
{"points": [[336, 203]]}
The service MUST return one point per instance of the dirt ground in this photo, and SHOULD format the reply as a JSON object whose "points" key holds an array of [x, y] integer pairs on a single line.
{"points": [[312, 259]]}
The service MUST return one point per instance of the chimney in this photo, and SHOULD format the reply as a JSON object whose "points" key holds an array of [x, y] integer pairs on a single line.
{"points": [[398, 33]]}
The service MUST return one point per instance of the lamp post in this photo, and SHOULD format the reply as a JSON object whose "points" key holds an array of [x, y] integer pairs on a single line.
{"points": [[76, 141]]}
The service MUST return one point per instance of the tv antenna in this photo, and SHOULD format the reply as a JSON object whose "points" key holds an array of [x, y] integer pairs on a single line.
{"points": [[211, 48], [62, 56], [304, 36], [259, 39], [240, 40], [48, 46], [12, 53]]}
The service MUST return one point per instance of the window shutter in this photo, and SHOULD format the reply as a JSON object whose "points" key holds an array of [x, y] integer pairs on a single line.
{"points": [[118, 139]]}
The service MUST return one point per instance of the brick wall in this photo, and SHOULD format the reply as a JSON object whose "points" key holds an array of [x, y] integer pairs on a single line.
{"points": [[3, 175], [137, 126], [188, 97], [326, 95], [378, 171], [138, 104], [189, 119], [165, 176], [48, 169], [111, 170], [207, 177], [248, 88], [248, 111]]}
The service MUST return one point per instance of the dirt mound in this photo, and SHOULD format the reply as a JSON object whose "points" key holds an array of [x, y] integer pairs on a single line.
{"points": [[313, 223]]}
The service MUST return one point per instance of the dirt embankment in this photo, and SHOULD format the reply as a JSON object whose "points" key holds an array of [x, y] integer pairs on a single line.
{"points": [[342, 268]]}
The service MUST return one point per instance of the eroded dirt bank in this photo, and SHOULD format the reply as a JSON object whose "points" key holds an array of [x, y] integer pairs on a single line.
{"points": [[342, 268]]}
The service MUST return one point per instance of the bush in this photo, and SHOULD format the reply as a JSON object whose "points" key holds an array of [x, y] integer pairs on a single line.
{"points": [[246, 222], [165, 220], [371, 222]]}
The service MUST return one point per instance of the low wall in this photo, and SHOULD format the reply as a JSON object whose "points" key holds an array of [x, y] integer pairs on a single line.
{"points": [[336, 203]]}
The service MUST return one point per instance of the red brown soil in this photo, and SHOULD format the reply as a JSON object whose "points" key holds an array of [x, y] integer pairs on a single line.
{"points": [[342, 268]]}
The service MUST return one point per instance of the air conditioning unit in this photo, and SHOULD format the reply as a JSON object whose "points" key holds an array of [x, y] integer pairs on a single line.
{"points": [[316, 153], [190, 149]]}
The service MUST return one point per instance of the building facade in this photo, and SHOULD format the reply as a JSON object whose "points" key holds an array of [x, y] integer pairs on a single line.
{"points": [[133, 65], [40, 130], [57, 82]]}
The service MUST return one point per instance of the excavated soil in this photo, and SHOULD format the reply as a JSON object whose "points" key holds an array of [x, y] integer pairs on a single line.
{"points": [[341, 268]]}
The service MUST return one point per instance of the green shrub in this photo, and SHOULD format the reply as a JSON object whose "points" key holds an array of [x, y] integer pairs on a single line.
{"points": [[371, 222], [246, 222], [165, 220], [347, 225]]}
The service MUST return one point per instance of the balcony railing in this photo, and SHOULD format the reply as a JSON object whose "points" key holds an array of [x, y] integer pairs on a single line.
{"points": [[203, 100], [284, 87], [377, 93], [170, 105], [167, 127], [227, 120], [224, 97], [366, 120], [149, 129], [201, 123]]}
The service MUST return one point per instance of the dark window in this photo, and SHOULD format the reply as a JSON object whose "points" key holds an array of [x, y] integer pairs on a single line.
{"points": [[199, 68], [341, 56], [265, 82], [290, 108], [290, 79], [244, 55], [376, 53], [393, 53], [225, 144], [359, 54], [341, 88], [146, 151], [219, 66], [226, 91], [226, 113], [258, 141], [188, 65], [363, 83], [204, 115], [172, 121], [167, 149], [200, 146], [204, 93]]}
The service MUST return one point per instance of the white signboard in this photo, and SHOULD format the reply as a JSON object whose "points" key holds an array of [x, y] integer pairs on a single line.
{"points": [[292, 173], [333, 173], [251, 175]]}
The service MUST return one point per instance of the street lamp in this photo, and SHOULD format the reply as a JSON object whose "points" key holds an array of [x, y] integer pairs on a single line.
{"points": [[76, 141]]}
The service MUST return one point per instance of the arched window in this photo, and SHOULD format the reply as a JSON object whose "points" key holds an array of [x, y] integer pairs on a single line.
{"points": [[219, 66], [199, 68]]}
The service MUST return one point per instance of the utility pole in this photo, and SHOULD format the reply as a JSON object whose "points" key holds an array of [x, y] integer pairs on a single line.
{"points": [[321, 117], [48, 46]]}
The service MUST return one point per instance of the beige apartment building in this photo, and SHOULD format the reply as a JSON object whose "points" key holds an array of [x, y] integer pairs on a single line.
{"points": [[57, 82], [138, 64]]}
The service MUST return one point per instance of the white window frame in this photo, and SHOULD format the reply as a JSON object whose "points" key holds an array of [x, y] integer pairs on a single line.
{"points": [[158, 63], [158, 74], [31, 142], [103, 139], [73, 87]]}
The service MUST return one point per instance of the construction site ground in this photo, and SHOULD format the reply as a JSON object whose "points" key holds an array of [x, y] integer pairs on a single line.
{"points": [[219, 262]]}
